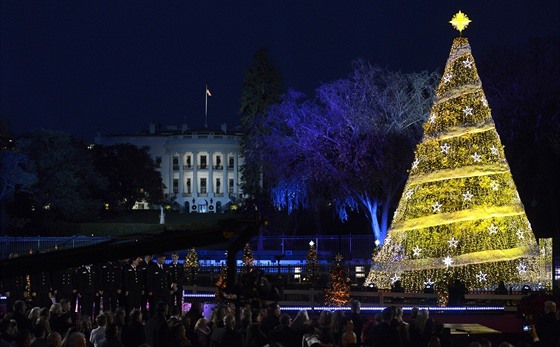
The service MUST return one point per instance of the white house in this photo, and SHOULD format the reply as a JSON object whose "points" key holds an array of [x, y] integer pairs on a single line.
{"points": [[199, 168]]}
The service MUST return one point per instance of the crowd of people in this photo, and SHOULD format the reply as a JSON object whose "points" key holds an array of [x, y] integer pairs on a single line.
{"points": [[230, 326], [138, 303]]}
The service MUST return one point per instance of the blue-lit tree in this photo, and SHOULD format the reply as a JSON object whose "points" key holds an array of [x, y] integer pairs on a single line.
{"points": [[350, 144]]}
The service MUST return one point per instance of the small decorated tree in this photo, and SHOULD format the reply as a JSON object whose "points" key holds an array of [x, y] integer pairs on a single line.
{"points": [[337, 292], [312, 264], [248, 259], [221, 283], [191, 266]]}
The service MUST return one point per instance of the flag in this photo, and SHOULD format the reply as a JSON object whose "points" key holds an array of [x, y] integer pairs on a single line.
{"points": [[208, 92]]}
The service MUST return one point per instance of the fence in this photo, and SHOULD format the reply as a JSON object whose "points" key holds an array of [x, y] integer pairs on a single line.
{"points": [[267, 249]]}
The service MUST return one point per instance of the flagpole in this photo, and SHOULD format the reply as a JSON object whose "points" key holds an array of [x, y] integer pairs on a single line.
{"points": [[206, 107]]}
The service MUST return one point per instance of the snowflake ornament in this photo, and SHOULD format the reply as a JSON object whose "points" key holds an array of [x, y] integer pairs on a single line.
{"points": [[468, 111], [444, 148], [429, 282], [409, 193], [436, 207], [495, 185], [494, 150], [520, 234], [484, 102], [416, 251], [395, 278], [476, 157], [432, 118], [447, 77], [481, 276], [447, 261], [453, 242], [468, 63], [492, 229], [522, 268], [467, 196], [415, 163]]}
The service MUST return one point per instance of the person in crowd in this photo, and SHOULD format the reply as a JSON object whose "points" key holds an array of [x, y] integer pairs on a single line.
{"points": [[146, 266], [20, 317], [133, 333], [111, 337], [177, 335], [176, 272], [22, 338], [546, 325], [54, 339], [272, 318], [349, 337], [336, 325], [76, 339], [300, 323], [6, 332], [87, 291], [157, 282], [403, 328], [255, 336], [384, 334], [202, 332], [98, 333], [157, 330], [39, 336], [133, 284], [501, 289], [110, 284], [357, 319], [283, 334], [226, 336]]}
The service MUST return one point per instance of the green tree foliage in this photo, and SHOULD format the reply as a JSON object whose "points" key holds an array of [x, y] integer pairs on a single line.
{"points": [[130, 173], [262, 87], [68, 187]]}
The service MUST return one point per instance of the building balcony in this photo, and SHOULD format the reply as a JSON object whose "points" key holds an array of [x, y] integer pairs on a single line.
{"points": [[175, 167], [187, 194], [202, 195], [230, 167], [202, 167], [219, 195], [218, 167], [187, 167]]}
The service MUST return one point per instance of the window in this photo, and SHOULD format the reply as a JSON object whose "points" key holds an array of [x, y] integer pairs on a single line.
{"points": [[218, 165], [158, 162], [175, 163], [231, 185], [203, 185], [188, 163], [218, 185], [175, 185], [231, 163], [203, 162], [188, 185]]}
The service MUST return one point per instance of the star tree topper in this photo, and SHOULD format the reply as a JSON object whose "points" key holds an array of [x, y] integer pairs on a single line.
{"points": [[460, 21]]}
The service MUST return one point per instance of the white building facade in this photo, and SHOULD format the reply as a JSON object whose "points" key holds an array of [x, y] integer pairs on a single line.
{"points": [[199, 168]]}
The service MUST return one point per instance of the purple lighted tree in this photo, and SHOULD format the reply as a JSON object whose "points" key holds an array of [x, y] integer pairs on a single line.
{"points": [[346, 145]]}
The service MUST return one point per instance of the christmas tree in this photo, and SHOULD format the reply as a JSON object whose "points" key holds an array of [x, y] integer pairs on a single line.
{"points": [[460, 215], [337, 292], [191, 266], [248, 259], [312, 265]]}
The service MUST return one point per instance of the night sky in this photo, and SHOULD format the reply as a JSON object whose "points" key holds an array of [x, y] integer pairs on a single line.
{"points": [[113, 66]]}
